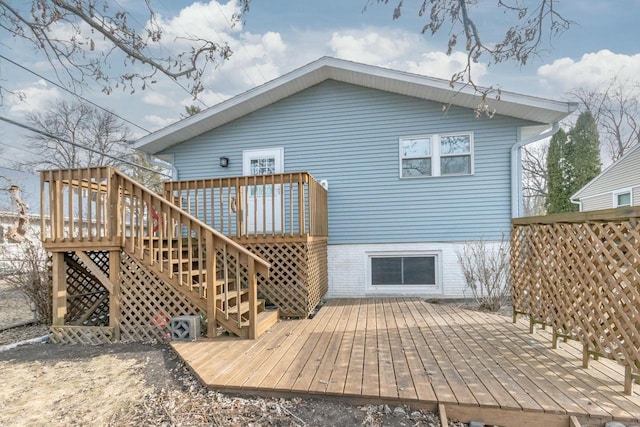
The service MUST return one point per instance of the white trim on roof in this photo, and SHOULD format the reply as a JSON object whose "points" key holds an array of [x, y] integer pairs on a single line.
{"points": [[576, 196], [326, 68]]}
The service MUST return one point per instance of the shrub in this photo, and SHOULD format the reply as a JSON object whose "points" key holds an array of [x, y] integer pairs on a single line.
{"points": [[486, 272], [29, 273]]}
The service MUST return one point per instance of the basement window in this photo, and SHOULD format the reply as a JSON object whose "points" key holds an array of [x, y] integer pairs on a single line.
{"points": [[399, 271]]}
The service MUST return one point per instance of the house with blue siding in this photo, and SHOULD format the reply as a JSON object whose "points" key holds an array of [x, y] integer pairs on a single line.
{"points": [[411, 172]]}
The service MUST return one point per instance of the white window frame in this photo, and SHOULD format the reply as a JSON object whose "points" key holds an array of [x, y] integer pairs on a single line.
{"points": [[436, 155], [622, 191], [277, 152], [405, 289]]}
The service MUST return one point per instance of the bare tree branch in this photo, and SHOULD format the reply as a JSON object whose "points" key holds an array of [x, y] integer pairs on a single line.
{"points": [[521, 40], [615, 105], [81, 124], [89, 22], [534, 178]]}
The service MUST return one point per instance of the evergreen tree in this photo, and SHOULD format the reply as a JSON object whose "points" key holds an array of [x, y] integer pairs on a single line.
{"points": [[584, 152], [557, 198], [573, 160]]}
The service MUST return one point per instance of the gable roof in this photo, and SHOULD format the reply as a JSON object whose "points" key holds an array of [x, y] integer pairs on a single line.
{"points": [[602, 175], [326, 68]]}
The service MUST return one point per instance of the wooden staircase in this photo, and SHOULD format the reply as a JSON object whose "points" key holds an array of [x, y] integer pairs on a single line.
{"points": [[233, 306], [193, 263]]}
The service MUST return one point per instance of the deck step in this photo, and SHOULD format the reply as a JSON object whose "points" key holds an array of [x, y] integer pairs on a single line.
{"points": [[244, 307], [266, 319], [232, 294]]}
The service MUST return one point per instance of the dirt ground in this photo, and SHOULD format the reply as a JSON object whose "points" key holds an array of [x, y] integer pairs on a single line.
{"points": [[138, 384], [14, 307]]}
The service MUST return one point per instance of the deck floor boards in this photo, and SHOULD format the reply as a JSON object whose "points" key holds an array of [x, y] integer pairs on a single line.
{"points": [[407, 350]]}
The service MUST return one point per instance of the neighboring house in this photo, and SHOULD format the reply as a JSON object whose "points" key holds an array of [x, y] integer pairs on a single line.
{"points": [[616, 186], [412, 173]]}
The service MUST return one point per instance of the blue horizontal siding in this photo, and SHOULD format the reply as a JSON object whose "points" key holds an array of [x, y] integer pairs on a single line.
{"points": [[349, 135]]}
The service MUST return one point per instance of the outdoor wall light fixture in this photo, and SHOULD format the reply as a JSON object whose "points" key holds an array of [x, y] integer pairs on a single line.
{"points": [[224, 161]]}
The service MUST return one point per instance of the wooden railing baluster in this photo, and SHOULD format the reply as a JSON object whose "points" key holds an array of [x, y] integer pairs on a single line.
{"points": [[299, 200]]}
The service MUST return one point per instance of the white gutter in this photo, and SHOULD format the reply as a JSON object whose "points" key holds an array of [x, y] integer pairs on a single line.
{"points": [[516, 169], [162, 164]]}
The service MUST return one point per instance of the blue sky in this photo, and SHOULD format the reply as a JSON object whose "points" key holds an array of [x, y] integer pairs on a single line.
{"points": [[279, 36]]}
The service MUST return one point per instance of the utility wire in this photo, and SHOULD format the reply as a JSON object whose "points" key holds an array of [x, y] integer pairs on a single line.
{"points": [[71, 92], [57, 138]]}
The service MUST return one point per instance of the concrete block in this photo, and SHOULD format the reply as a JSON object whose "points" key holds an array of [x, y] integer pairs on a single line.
{"points": [[185, 328]]}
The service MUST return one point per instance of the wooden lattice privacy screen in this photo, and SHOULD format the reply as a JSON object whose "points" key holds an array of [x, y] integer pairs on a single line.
{"points": [[580, 274], [298, 275], [146, 304]]}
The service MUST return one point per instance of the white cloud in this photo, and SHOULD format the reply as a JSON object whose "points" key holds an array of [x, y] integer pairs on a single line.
{"points": [[439, 64], [207, 21], [398, 50], [370, 47], [32, 99], [82, 34], [209, 97], [589, 71], [257, 58], [158, 122], [157, 99]]}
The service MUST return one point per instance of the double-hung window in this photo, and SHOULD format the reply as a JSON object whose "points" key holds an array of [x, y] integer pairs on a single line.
{"points": [[436, 155]]}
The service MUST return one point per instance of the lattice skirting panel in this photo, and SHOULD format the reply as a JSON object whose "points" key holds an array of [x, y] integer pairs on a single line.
{"points": [[87, 298], [298, 276], [147, 303], [81, 335]]}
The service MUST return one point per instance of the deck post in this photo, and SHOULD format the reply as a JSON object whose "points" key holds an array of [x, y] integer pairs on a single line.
{"points": [[114, 207], [114, 298], [253, 299], [628, 380], [585, 356], [210, 253], [59, 291]]}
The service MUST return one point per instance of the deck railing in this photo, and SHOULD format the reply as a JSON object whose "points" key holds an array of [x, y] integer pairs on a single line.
{"points": [[96, 208], [287, 204], [580, 274]]}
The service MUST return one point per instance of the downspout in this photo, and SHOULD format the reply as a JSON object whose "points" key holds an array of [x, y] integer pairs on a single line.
{"points": [[162, 164], [516, 169]]}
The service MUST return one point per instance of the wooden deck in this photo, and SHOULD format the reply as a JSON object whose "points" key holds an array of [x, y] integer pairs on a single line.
{"points": [[406, 350]]}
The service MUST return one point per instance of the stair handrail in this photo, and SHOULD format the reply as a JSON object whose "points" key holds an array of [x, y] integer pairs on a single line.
{"points": [[263, 266]]}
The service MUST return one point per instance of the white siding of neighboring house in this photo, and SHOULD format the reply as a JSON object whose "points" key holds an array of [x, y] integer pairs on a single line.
{"points": [[624, 174]]}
